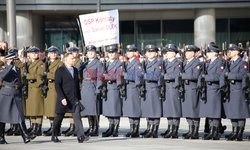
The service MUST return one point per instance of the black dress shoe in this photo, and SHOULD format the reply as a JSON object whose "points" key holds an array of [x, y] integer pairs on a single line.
{"points": [[55, 139], [82, 139]]}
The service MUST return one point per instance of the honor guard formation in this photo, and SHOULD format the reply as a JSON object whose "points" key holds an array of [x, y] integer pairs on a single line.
{"points": [[169, 82]]}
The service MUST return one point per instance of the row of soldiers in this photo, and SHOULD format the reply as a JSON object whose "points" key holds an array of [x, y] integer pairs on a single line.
{"points": [[151, 88]]}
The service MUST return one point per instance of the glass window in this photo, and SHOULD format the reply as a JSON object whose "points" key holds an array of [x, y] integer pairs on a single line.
{"points": [[178, 32], [221, 31], [126, 33], [240, 30], [148, 32]]}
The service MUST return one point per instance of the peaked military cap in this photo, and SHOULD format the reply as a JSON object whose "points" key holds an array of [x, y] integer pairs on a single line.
{"points": [[131, 48], [90, 48], [234, 47], [112, 49], [151, 48], [73, 49], [171, 48], [33, 49], [52, 49], [13, 50], [11, 56]]}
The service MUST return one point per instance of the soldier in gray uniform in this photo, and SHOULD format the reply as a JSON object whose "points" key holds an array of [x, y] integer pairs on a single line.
{"points": [[11, 108], [236, 108], [211, 107], [171, 106], [190, 103], [132, 103], [112, 105], [151, 106], [91, 72]]}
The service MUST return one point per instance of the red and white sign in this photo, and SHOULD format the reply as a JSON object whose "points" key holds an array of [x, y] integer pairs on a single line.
{"points": [[100, 29]]}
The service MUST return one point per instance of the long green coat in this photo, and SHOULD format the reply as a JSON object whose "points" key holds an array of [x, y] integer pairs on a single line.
{"points": [[50, 100], [35, 102]]}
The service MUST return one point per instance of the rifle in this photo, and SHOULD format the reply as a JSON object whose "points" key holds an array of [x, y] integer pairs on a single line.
{"points": [[142, 87], [44, 85], [163, 71], [6, 49], [24, 79], [226, 86], [180, 86], [103, 87], [247, 87], [203, 82], [123, 86]]}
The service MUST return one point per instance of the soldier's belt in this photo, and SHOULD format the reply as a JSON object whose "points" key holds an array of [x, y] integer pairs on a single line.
{"points": [[188, 81], [151, 81], [168, 81], [32, 81], [111, 82], [212, 82], [12, 86], [234, 81]]}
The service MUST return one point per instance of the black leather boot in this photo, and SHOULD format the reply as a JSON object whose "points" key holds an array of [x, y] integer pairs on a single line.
{"points": [[206, 127], [115, 131], [131, 130], [10, 129], [166, 132], [14, 128], [210, 135], [149, 134], [95, 130], [155, 131], [49, 131], [91, 124], [189, 133], [109, 132], [2, 129], [82, 138], [248, 138], [147, 130], [175, 132], [135, 132], [195, 134], [18, 131], [217, 134], [34, 129], [71, 130], [54, 137], [38, 131], [169, 134], [239, 136], [232, 135], [27, 137]]}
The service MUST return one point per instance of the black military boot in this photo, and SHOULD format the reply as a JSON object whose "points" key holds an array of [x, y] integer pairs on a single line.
{"points": [[82, 138], [34, 129], [210, 135], [135, 132], [216, 135], [91, 124], [189, 133], [206, 127], [27, 137], [149, 134], [14, 128], [115, 131], [10, 129], [131, 130], [166, 132], [49, 131], [17, 132], [95, 129], [38, 131], [232, 133], [147, 130], [175, 132], [155, 131], [109, 132], [32, 126], [248, 138], [169, 134], [71, 130], [195, 134], [2, 129], [239, 136], [54, 137]]}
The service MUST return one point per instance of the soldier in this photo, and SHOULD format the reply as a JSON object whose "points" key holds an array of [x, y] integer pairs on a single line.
{"points": [[211, 106], [132, 104], [50, 100], [190, 103], [91, 73], [151, 106], [236, 108], [71, 130], [112, 105], [11, 108], [171, 104], [35, 102]]}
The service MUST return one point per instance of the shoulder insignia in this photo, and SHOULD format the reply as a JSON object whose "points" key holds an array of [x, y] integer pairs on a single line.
{"points": [[139, 67], [245, 66], [221, 67], [160, 67], [198, 67], [179, 65]]}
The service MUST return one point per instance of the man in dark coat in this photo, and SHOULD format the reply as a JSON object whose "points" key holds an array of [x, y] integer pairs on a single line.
{"points": [[236, 108], [132, 103], [68, 98], [190, 104], [11, 108], [171, 105]]}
